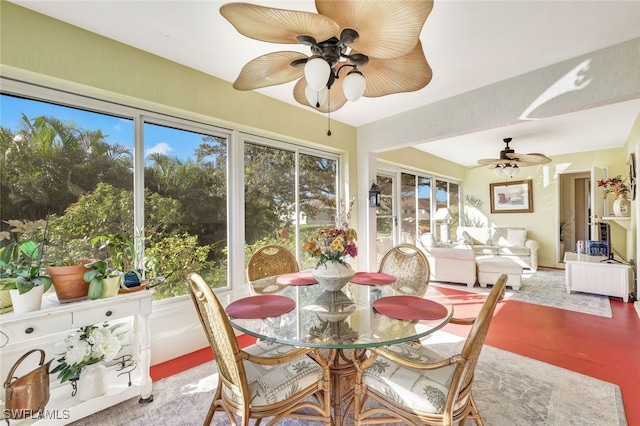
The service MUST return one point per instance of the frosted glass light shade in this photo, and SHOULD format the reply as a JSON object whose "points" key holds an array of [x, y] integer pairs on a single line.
{"points": [[515, 170], [316, 72], [316, 98], [509, 170], [497, 170], [354, 85]]}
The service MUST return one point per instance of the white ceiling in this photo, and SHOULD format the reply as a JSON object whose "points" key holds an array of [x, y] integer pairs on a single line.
{"points": [[469, 44]]}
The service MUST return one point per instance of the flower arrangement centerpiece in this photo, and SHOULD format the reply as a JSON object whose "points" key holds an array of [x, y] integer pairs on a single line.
{"points": [[89, 345], [615, 185], [332, 244], [332, 247]]}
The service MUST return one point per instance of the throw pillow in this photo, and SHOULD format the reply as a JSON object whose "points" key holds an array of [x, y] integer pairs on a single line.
{"points": [[516, 237], [466, 238]]}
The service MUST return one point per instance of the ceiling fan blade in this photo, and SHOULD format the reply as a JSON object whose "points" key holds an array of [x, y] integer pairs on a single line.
{"points": [[387, 29], [269, 70], [277, 25], [408, 73], [335, 96], [487, 161], [530, 159]]}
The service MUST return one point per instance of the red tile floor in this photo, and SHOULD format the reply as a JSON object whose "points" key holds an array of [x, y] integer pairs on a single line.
{"points": [[604, 348]]}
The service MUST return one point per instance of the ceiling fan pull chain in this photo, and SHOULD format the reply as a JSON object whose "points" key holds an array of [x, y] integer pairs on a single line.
{"points": [[329, 114]]}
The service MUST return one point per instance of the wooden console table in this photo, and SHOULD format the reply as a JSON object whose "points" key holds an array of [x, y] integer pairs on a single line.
{"points": [[596, 275], [47, 328]]}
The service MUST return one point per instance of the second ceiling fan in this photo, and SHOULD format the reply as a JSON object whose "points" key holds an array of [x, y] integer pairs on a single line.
{"points": [[510, 162]]}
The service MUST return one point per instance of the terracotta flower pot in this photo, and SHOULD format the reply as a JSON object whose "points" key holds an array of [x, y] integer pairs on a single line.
{"points": [[68, 281]]}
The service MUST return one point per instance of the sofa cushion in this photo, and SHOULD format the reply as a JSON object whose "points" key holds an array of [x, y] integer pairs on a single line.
{"points": [[457, 252], [515, 251], [476, 236], [516, 237], [484, 250]]}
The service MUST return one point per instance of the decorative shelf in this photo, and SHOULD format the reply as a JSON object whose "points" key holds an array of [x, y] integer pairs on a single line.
{"points": [[624, 221]]}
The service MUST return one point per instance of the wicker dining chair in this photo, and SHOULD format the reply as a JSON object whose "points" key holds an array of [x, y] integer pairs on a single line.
{"points": [[263, 380], [269, 261], [411, 384], [410, 266]]}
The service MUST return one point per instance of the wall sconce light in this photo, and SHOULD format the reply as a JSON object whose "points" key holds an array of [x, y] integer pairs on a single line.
{"points": [[374, 196]]}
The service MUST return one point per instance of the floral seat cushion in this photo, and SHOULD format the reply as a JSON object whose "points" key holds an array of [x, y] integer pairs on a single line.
{"points": [[424, 391], [271, 384]]}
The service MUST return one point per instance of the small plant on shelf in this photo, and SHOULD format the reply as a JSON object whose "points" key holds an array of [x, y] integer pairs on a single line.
{"points": [[21, 258], [616, 185]]}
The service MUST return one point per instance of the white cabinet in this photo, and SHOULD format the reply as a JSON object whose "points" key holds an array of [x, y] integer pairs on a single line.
{"points": [[48, 326], [596, 275]]}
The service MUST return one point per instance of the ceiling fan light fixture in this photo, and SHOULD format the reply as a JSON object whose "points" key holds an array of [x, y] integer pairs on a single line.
{"points": [[316, 98], [497, 170], [509, 170], [354, 85], [317, 72], [515, 170]]}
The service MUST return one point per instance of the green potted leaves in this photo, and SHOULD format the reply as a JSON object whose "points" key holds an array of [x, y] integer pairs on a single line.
{"points": [[103, 282], [20, 266], [126, 259]]}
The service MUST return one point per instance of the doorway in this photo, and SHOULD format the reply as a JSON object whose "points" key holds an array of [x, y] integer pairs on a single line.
{"points": [[579, 208]]}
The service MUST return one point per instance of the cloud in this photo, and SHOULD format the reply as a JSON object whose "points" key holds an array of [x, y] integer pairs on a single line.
{"points": [[161, 148]]}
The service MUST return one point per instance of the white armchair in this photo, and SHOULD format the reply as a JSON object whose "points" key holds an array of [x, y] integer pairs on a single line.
{"points": [[455, 264]]}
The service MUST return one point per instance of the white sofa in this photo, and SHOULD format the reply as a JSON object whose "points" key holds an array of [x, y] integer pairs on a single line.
{"points": [[456, 264], [508, 242]]}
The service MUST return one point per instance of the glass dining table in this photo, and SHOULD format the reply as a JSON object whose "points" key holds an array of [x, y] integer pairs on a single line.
{"points": [[292, 309]]}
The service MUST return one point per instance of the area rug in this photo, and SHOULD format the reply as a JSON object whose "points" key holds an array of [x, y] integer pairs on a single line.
{"points": [[546, 287], [510, 390]]}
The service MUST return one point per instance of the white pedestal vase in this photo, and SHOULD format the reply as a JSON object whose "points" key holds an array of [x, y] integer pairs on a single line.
{"points": [[92, 382], [621, 207], [333, 275], [27, 302]]}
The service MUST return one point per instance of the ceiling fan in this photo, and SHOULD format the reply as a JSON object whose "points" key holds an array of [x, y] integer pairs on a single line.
{"points": [[358, 48], [510, 162]]}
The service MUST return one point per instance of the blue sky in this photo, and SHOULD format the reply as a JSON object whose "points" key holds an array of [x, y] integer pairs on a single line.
{"points": [[119, 130]]}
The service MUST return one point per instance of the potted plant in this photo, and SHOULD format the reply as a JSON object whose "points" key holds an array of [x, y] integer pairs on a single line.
{"points": [[20, 266], [618, 186], [68, 279], [101, 280], [122, 261]]}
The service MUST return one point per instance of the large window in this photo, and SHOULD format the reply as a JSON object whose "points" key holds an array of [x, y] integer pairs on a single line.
{"points": [[288, 195], [158, 182], [420, 199], [185, 180], [76, 169]]}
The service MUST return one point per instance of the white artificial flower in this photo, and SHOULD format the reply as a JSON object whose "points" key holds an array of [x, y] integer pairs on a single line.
{"points": [[99, 335], [111, 348], [76, 352]]}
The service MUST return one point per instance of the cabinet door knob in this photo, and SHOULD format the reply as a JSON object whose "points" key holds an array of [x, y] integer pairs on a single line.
{"points": [[109, 313], [29, 330]]}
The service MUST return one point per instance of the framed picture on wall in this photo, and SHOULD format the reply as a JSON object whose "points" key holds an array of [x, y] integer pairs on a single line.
{"points": [[511, 197]]}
